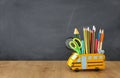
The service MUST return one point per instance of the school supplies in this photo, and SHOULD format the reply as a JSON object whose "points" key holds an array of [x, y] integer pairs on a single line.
{"points": [[85, 39], [101, 51], [93, 41], [83, 48], [94, 28], [88, 39], [101, 39], [67, 42], [99, 34], [76, 45], [91, 33], [79, 62], [96, 46], [92, 44], [76, 33], [88, 52]]}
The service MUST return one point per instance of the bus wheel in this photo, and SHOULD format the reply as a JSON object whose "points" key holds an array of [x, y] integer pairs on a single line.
{"points": [[76, 70], [97, 69]]}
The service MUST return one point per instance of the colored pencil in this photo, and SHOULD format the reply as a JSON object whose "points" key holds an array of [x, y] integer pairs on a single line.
{"points": [[93, 40], [83, 47], [76, 33], [85, 39], [94, 37], [101, 39], [96, 46], [99, 34], [88, 39]]}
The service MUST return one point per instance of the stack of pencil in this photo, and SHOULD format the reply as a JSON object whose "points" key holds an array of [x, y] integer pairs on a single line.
{"points": [[92, 44]]}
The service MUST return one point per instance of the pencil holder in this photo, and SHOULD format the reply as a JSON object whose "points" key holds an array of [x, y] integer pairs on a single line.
{"points": [[88, 52], [78, 62]]}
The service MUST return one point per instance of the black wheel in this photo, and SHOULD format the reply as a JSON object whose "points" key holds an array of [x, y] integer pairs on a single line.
{"points": [[76, 70], [70, 68], [97, 69]]}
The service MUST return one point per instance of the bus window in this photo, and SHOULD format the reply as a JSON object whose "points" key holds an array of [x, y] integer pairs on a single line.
{"points": [[95, 57], [78, 60], [100, 57], [89, 57], [74, 56]]}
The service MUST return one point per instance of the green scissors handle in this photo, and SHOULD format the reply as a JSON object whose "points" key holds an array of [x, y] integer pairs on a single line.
{"points": [[76, 45], [78, 42]]}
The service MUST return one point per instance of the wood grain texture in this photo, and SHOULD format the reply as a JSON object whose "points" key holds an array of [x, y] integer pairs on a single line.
{"points": [[53, 69]]}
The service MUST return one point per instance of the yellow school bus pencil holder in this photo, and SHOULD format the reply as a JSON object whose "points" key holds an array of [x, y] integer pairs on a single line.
{"points": [[86, 61], [88, 52]]}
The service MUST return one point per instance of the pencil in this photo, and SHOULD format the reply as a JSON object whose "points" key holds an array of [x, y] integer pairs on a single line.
{"points": [[101, 39], [92, 47], [85, 40], [93, 40], [83, 48], [99, 34], [76, 33], [96, 46], [94, 28], [88, 39]]}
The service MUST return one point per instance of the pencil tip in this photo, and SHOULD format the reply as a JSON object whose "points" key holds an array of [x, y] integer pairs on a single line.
{"points": [[88, 28], [102, 30], [76, 31], [94, 28]]}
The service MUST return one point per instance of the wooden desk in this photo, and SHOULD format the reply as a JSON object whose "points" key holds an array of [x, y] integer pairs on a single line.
{"points": [[53, 69]]}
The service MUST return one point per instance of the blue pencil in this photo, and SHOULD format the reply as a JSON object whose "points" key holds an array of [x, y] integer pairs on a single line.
{"points": [[83, 48], [99, 38]]}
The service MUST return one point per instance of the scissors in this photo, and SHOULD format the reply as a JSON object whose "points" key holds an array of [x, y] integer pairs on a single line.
{"points": [[76, 45]]}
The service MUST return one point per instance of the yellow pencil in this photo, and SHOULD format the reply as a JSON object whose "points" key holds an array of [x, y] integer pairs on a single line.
{"points": [[85, 39]]}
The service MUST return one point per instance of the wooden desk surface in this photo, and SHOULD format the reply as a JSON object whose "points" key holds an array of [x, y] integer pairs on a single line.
{"points": [[53, 69]]}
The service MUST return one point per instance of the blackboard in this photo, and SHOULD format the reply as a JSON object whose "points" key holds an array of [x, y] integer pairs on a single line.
{"points": [[37, 29]]}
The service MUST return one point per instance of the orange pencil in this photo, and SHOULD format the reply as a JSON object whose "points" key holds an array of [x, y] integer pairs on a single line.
{"points": [[101, 39]]}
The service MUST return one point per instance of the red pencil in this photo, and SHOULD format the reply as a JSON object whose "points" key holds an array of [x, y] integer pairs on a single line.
{"points": [[91, 33]]}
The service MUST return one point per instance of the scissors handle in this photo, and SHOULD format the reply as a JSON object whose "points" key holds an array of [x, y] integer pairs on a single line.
{"points": [[74, 46], [78, 41]]}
